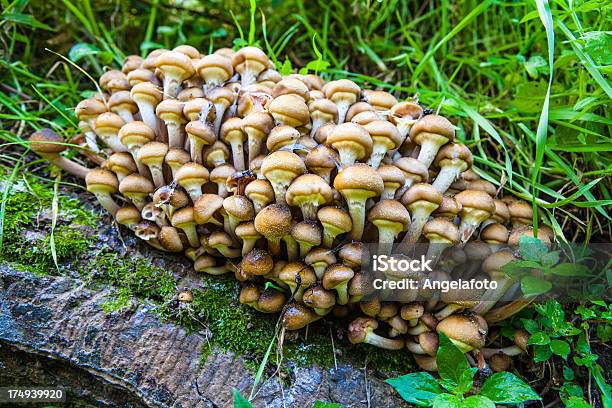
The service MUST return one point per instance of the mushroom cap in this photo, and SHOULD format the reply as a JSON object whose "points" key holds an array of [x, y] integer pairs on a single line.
{"points": [[191, 173], [190, 51], [271, 301], [170, 239], [391, 175], [122, 100], [318, 297], [199, 109], [441, 229], [135, 184], [353, 136], [246, 230], [274, 221], [175, 63], [257, 262], [381, 130], [282, 161], [476, 250], [453, 152], [321, 157], [281, 136], [495, 262], [336, 217], [46, 140], [500, 362], [260, 190], [389, 211], [495, 233], [359, 176], [435, 124], [351, 254], [323, 109], [336, 275], [290, 110], [201, 131], [176, 157], [153, 153], [194, 92], [219, 239], [521, 211], [502, 213], [309, 188], [380, 100], [269, 76], [517, 233], [171, 110], [475, 199], [297, 316], [114, 80], [219, 175], [449, 208], [136, 133], [141, 75], [297, 274], [405, 110], [101, 181], [89, 108], [240, 207], [342, 89], [521, 339], [323, 132], [307, 232], [421, 192], [205, 207], [370, 307], [429, 342], [413, 169], [291, 86], [357, 108], [398, 324], [359, 328], [314, 82], [469, 330], [261, 122], [317, 255], [182, 217], [231, 130], [171, 195], [482, 185], [365, 118], [128, 215], [214, 65], [146, 92], [412, 311], [249, 294], [130, 63], [251, 58]]}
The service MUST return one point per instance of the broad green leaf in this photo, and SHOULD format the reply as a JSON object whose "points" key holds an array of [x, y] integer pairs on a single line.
{"points": [[560, 348], [239, 400], [576, 402], [416, 388], [533, 286], [446, 401], [598, 45], [466, 381], [477, 401], [541, 353], [551, 258], [451, 361], [322, 404], [507, 388], [568, 373], [539, 339], [531, 248], [570, 269]]}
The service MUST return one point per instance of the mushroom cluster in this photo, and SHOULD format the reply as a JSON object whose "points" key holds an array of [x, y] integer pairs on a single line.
{"points": [[281, 179]]}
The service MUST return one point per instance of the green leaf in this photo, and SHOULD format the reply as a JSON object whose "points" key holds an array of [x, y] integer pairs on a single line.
{"points": [[570, 269], [560, 348], [446, 401], [25, 19], [239, 400], [322, 404], [285, 68], [531, 248], [539, 338], [598, 45], [466, 381], [507, 388], [541, 353], [451, 361], [533, 286], [477, 401], [416, 388], [551, 258], [568, 373], [576, 402]]}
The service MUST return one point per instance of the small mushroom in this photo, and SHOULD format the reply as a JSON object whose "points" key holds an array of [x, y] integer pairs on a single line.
{"points": [[260, 192], [421, 200], [274, 222], [393, 179], [319, 259], [128, 216], [309, 192], [102, 183], [184, 220], [404, 115], [147, 96], [152, 155], [452, 159], [322, 111], [431, 132], [271, 301], [192, 176], [200, 134], [175, 159], [493, 266], [343, 93], [398, 326], [381, 101], [170, 239], [233, 134], [521, 342], [336, 277], [48, 145], [107, 127], [134, 135], [361, 330], [176, 67], [137, 189], [208, 264], [335, 221], [222, 242], [298, 276], [290, 110], [222, 98], [281, 168], [281, 136], [219, 176], [307, 234], [449, 209], [87, 111], [521, 213], [122, 104], [171, 112], [247, 233], [357, 183], [385, 137], [476, 207], [414, 172], [321, 300], [390, 218], [257, 126], [297, 316], [214, 69], [495, 235], [412, 312], [351, 141], [441, 234], [322, 161], [238, 209], [466, 331], [249, 62], [291, 86]]}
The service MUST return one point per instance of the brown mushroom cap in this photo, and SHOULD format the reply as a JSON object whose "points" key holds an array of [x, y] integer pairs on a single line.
{"points": [[205, 207], [153, 153], [297, 316], [250, 58], [359, 177], [201, 132], [260, 191], [103, 181], [380, 100], [320, 255], [281, 136], [239, 206], [494, 263], [136, 133], [120, 101], [435, 124], [170, 239], [291, 86], [128, 216], [309, 188], [319, 298], [475, 199], [289, 110], [384, 132], [146, 92], [214, 68], [389, 211], [421, 192], [521, 213], [350, 136], [307, 232], [467, 331], [257, 262], [336, 275], [46, 141], [440, 229], [454, 152], [274, 221], [336, 218], [357, 108], [495, 234], [136, 185], [88, 109], [176, 64], [342, 89], [449, 208], [412, 169]]}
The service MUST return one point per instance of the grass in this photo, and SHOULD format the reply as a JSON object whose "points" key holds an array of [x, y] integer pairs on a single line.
{"points": [[526, 82]]}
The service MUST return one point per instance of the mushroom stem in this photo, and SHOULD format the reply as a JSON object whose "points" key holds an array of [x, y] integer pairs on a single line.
{"points": [[343, 296], [280, 191], [292, 247], [328, 238], [192, 235], [147, 112], [435, 249], [420, 215], [90, 137], [219, 111], [343, 107], [383, 342], [157, 172], [448, 310], [247, 245], [492, 296], [254, 145], [172, 85], [107, 202], [448, 174], [470, 222], [274, 246], [386, 237], [502, 313], [429, 149], [309, 210], [238, 154], [509, 351], [195, 148], [357, 211], [347, 157], [175, 134], [415, 347], [378, 153]]}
